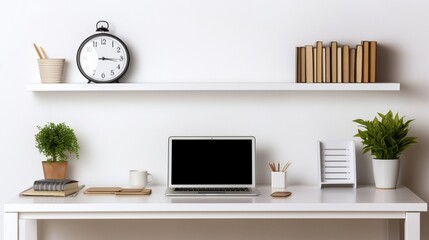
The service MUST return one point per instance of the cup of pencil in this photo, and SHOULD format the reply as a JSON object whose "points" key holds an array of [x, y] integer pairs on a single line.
{"points": [[279, 175], [51, 69]]}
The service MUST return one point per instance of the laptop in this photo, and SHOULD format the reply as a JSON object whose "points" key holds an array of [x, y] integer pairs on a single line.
{"points": [[211, 166]]}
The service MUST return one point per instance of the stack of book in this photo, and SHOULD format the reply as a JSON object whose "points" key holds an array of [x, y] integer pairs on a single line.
{"points": [[52, 187], [337, 64]]}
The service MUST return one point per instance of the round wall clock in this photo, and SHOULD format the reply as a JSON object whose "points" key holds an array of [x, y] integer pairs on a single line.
{"points": [[103, 57]]}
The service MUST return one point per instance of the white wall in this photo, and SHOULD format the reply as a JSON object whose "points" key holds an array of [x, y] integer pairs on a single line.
{"points": [[203, 41]]}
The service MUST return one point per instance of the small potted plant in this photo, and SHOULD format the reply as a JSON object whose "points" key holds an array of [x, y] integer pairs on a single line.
{"points": [[56, 142], [386, 139]]}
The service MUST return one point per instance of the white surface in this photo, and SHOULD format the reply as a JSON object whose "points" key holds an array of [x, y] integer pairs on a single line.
{"points": [[35, 87], [304, 199], [304, 203]]}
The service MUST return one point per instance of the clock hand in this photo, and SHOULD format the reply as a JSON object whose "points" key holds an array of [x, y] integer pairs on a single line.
{"points": [[109, 59]]}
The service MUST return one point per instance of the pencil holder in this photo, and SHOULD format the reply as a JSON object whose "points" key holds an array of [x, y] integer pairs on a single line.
{"points": [[51, 70], [278, 179]]}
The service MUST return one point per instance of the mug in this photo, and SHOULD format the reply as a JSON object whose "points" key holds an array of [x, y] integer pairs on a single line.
{"points": [[139, 178]]}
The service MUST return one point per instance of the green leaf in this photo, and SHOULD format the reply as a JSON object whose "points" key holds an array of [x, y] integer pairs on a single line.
{"points": [[385, 137]]}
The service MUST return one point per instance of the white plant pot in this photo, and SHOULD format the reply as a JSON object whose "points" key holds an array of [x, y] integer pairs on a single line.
{"points": [[386, 172]]}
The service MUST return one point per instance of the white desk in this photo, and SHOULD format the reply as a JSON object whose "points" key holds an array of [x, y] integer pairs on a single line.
{"points": [[365, 202]]}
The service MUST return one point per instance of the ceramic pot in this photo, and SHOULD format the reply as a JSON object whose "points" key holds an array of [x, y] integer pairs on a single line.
{"points": [[386, 172], [54, 170]]}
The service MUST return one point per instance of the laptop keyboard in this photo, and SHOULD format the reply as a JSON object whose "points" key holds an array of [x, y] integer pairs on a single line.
{"points": [[212, 189]]}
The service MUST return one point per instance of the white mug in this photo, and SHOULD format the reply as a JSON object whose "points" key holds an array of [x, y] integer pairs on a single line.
{"points": [[139, 178]]}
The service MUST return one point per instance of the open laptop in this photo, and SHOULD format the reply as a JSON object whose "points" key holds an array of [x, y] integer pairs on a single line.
{"points": [[218, 166]]}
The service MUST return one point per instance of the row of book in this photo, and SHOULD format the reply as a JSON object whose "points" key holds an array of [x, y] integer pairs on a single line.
{"points": [[53, 187], [337, 64]]}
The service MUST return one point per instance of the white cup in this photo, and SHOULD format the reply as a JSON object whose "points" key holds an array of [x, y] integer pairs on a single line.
{"points": [[139, 178], [278, 179]]}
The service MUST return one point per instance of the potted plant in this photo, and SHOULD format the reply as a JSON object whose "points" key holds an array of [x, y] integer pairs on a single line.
{"points": [[386, 139], [56, 142]]}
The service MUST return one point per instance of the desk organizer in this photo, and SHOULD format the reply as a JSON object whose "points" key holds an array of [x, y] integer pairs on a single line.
{"points": [[337, 163]]}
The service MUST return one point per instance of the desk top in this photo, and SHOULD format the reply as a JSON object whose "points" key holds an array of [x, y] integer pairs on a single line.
{"points": [[303, 199]]}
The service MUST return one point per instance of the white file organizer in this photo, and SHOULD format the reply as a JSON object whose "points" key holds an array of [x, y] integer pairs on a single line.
{"points": [[337, 163]]}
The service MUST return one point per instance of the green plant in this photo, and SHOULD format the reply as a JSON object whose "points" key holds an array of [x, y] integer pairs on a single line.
{"points": [[385, 138], [55, 140]]}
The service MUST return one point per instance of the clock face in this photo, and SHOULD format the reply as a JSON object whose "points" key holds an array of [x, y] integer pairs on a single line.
{"points": [[103, 58]]}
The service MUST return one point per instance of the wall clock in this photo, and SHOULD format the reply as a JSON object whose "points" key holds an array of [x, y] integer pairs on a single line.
{"points": [[103, 57]]}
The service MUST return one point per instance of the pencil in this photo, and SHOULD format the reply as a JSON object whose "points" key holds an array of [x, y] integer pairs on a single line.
{"points": [[43, 53], [37, 50]]}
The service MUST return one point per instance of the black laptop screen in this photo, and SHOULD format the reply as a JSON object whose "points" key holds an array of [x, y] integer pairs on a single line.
{"points": [[211, 161]]}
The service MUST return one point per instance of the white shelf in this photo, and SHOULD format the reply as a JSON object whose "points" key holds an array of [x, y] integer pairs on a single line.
{"points": [[211, 86]]}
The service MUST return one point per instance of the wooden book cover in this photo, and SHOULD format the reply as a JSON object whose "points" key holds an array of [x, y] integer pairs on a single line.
{"points": [[319, 59], [365, 67], [302, 50], [372, 61], [323, 65], [309, 64], [334, 63], [352, 65], [32, 192], [298, 65], [328, 65], [359, 64], [346, 64], [118, 191], [339, 65]]}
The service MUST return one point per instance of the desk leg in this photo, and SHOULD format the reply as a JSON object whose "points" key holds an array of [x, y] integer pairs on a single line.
{"points": [[27, 229], [10, 224], [412, 226]]}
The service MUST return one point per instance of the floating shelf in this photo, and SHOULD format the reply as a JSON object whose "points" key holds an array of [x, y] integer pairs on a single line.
{"points": [[211, 86]]}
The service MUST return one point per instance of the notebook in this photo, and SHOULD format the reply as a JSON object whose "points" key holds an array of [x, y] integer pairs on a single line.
{"points": [[218, 166]]}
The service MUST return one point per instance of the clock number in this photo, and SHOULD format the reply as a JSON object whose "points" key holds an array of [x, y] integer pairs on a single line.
{"points": [[94, 43], [118, 49], [112, 72], [119, 66], [103, 75], [103, 41], [88, 49]]}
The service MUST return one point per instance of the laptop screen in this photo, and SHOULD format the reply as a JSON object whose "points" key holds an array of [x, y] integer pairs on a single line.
{"points": [[212, 161]]}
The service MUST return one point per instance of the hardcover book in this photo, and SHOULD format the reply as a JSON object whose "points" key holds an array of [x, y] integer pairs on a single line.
{"points": [[55, 184]]}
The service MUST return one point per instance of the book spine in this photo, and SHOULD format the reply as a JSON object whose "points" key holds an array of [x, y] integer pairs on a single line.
{"points": [[339, 65], [298, 65], [319, 59], [309, 63], [328, 65], [314, 65], [346, 64], [359, 63], [302, 51], [372, 61], [365, 67], [352, 64], [334, 61], [323, 65]]}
